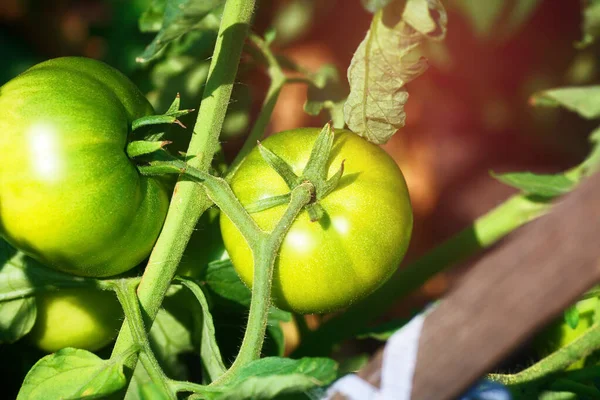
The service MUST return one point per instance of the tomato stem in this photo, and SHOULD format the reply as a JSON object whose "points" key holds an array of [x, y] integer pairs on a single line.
{"points": [[264, 261], [189, 200], [127, 297], [543, 372]]}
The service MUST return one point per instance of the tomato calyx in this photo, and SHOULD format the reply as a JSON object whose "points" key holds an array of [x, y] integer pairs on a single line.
{"points": [[151, 141], [314, 173]]}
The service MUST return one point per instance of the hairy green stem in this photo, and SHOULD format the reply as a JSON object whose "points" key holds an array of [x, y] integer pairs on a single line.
{"points": [[221, 194], [217, 190], [557, 361], [278, 79], [189, 200], [264, 262], [190, 387], [126, 293]]}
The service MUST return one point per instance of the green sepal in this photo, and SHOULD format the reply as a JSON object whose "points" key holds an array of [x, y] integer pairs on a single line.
{"points": [[315, 172], [151, 120], [170, 117], [331, 184], [316, 167], [269, 202], [143, 147], [161, 168], [174, 107], [279, 165]]}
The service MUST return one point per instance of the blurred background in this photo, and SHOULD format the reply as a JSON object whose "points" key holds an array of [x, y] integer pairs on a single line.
{"points": [[467, 115]]}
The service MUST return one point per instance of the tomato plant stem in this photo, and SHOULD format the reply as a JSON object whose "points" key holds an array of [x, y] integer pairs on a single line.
{"points": [[190, 387], [264, 262], [189, 200], [128, 299], [545, 370]]}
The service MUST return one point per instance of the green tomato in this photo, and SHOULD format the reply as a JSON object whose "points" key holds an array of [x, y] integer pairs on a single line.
{"points": [[87, 319], [327, 265], [69, 195]]}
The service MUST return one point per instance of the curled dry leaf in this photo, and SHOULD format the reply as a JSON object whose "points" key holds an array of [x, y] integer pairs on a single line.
{"points": [[385, 61]]}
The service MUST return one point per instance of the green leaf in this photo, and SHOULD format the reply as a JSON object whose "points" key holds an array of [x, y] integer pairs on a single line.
{"points": [[152, 19], [142, 387], [209, 349], [520, 13], [572, 317], [537, 184], [180, 17], [272, 376], [590, 26], [151, 391], [584, 100], [275, 339], [375, 5], [17, 317], [220, 277], [327, 93], [72, 374], [482, 15], [170, 338], [496, 17], [383, 63]]}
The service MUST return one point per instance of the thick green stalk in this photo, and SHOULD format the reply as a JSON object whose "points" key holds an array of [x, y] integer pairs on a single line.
{"points": [[264, 262], [483, 233], [129, 301], [189, 200]]}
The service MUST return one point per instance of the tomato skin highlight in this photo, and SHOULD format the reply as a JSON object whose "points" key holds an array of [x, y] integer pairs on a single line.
{"points": [[69, 195], [327, 265], [87, 319]]}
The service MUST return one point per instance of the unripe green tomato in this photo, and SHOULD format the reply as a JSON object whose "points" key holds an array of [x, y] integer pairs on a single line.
{"points": [[559, 334], [87, 319], [69, 194], [327, 265]]}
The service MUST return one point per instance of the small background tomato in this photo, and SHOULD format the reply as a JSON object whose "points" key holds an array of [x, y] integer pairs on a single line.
{"points": [[83, 318], [327, 265], [69, 195]]}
